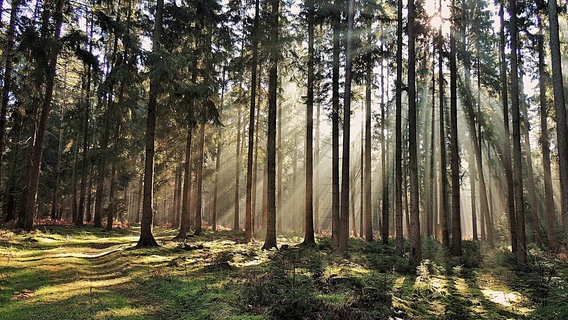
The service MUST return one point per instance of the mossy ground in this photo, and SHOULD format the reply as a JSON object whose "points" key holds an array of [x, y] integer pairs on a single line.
{"points": [[59, 272]]}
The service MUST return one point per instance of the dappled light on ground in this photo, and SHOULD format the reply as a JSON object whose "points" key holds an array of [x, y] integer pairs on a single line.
{"points": [[67, 273]]}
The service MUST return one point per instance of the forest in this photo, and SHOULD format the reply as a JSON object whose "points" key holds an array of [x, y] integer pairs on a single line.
{"points": [[248, 159]]}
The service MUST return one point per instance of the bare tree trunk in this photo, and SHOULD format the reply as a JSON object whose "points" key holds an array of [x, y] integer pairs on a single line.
{"points": [[366, 175], [443, 199], [185, 223], [517, 152], [36, 152], [560, 106], [507, 143], [398, 133], [544, 140], [309, 238], [335, 128], [236, 217], [456, 247], [146, 236], [270, 240], [415, 248], [345, 161], [199, 181]]}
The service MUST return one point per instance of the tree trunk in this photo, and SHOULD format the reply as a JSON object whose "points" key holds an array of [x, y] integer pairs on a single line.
{"points": [[560, 106], [252, 110], [185, 223], [36, 152], [345, 163], [398, 133], [443, 199], [236, 217], [270, 240], [456, 247], [7, 78], [335, 127], [415, 248], [309, 238], [199, 181], [146, 236], [367, 212], [517, 152], [507, 143], [545, 141]]}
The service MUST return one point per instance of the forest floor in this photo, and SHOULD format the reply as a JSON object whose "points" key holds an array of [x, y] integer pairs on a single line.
{"points": [[61, 272]]}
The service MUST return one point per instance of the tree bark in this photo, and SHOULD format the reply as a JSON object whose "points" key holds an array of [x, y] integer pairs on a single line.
{"points": [[146, 236], [199, 181], [560, 106], [309, 238], [415, 247], [37, 149], [456, 248], [517, 152], [270, 239], [398, 133]]}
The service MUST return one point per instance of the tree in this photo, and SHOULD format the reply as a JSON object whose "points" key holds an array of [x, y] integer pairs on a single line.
{"points": [[345, 168], [270, 239], [517, 153], [398, 133], [252, 109], [456, 247], [560, 106], [146, 236], [335, 223], [37, 148], [415, 247], [309, 239]]}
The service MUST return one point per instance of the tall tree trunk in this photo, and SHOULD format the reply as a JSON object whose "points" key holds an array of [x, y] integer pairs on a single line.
{"points": [[270, 240], [250, 153], [367, 212], [544, 140], [185, 223], [456, 247], [385, 227], [7, 77], [443, 200], [74, 208], [199, 181], [236, 217], [36, 152], [472, 178], [309, 238], [415, 248], [560, 106], [335, 126], [507, 143], [398, 133], [146, 236], [345, 163], [517, 152]]}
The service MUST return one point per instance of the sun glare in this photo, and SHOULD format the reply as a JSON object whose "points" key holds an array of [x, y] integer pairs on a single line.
{"points": [[436, 21]]}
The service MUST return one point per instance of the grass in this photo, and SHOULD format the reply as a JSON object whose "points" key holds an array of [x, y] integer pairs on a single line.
{"points": [[62, 272]]}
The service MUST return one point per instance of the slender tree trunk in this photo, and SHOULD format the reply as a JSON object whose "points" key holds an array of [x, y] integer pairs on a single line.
{"points": [[472, 178], [456, 247], [36, 152], [199, 181], [270, 240], [384, 161], [367, 210], [335, 128], [443, 200], [250, 151], [507, 143], [415, 248], [309, 238], [74, 208], [517, 152], [560, 106], [185, 223], [236, 217], [7, 77], [398, 133], [345, 161], [544, 140], [146, 237]]}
